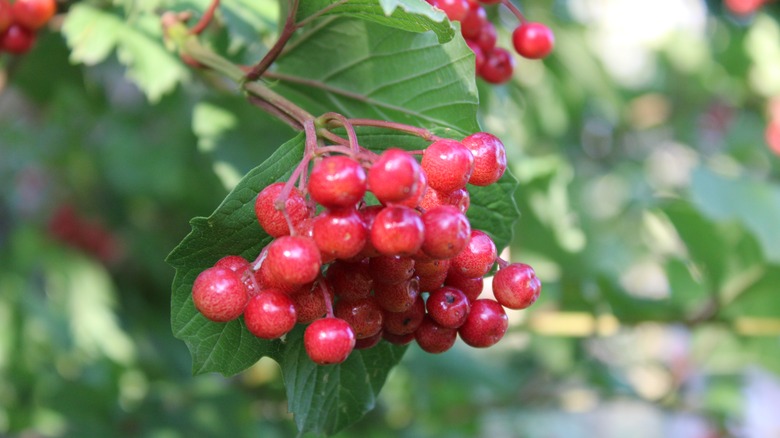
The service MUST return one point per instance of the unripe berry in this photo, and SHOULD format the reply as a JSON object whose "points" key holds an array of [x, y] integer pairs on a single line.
{"points": [[219, 294], [489, 158], [336, 182], [516, 286], [448, 165], [329, 341], [486, 324], [270, 314]]}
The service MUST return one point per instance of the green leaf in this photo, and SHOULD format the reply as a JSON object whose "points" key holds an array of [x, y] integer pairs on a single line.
{"points": [[326, 399], [408, 15], [754, 203], [362, 69], [93, 34]]}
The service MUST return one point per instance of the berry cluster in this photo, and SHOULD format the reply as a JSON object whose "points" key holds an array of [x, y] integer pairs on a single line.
{"points": [[495, 64], [19, 22], [409, 267]]}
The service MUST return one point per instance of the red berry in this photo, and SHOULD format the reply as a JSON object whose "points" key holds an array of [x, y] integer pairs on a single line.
{"points": [[489, 158], [498, 66], [339, 234], [516, 286], [366, 343], [364, 316], [294, 259], [309, 304], [6, 15], [350, 281], [337, 182], [394, 176], [448, 306], [455, 9], [219, 294], [397, 339], [431, 267], [431, 282], [448, 165], [406, 322], [17, 39], [743, 7], [433, 338], [391, 269], [487, 37], [33, 14], [235, 263], [397, 297], [447, 231], [397, 230], [270, 314], [458, 198], [533, 40], [414, 200], [470, 286], [329, 341], [479, 55], [486, 324], [477, 257], [272, 220], [471, 25]]}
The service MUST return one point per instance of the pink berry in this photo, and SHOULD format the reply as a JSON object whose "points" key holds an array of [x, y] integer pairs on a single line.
{"points": [[336, 182], [329, 341], [270, 314], [448, 165], [272, 220], [489, 158], [516, 286], [533, 40], [486, 324], [219, 294]]}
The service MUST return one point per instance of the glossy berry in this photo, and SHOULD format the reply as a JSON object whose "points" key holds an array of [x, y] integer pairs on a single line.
{"points": [[294, 259], [486, 324], [516, 286], [397, 230], [433, 338], [219, 294], [455, 9], [533, 40], [270, 314], [472, 23], [447, 231], [329, 341], [33, 14], [458, 198], [235, 263], [406, 322], [413, 201], [17, 39], [489, 158], [338, 181], [498, 67], [6, 16], [448, 165], [448, 306], [364, 316], [477, 257], [272, 220], [487, 37], [394, 176], [339, 233]]}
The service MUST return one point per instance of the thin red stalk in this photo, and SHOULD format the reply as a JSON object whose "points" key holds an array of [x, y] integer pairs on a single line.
{"points": [[204, 21], [501, 263], [287, 32], [420, 132], [345, 123], [326, 296], [509, 5]]}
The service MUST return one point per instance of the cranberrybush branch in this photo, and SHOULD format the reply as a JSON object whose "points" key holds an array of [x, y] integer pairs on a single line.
{"points": [[204, 21], [509, 5], [287, 32]]}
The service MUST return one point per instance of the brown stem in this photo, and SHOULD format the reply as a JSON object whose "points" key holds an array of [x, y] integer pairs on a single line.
{"points": [[204, 21], [288, 30]]}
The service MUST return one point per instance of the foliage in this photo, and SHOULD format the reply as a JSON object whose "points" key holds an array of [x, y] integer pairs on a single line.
{"points": [[649, 207]]}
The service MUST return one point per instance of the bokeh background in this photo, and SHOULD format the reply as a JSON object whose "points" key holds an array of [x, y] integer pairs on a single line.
{"points": [[647, 150]]}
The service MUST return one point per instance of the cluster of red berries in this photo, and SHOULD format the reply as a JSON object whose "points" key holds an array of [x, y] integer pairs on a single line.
{"points": [[19, 22], [379, 261], [86, 234], [495, 64]]}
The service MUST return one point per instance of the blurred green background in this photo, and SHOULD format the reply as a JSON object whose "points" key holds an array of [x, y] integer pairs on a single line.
{"points": [[647, 149]]}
